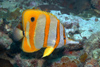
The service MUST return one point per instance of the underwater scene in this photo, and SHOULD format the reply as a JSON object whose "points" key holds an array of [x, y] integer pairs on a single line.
{"points": [[49, 33]]}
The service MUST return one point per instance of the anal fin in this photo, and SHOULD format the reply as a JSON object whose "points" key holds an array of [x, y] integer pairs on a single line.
{"points": [[48, 51]]}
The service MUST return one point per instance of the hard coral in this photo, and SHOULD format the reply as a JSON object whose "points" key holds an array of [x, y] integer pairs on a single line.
{"points": [[92, 43], [14, 15], [65, 62], [83, 57], [92, 63], [96, 4], [96, 53], [28, 62], [92, 48], [5, 40]]}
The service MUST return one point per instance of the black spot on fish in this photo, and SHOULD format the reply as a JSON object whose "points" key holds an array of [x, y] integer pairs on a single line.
{"points": [[23, 33]]}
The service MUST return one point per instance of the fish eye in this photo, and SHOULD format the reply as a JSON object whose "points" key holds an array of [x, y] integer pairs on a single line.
{"points": [[32, 19]]}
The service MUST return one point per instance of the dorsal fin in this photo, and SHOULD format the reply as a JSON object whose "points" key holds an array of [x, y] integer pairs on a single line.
{"points": [[36, 8]]}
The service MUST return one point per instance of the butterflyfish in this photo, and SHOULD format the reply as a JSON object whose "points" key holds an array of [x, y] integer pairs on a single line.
{"points": [[41, 30]]}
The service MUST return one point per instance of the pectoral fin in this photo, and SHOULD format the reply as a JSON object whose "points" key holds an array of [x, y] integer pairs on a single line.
{"points": [[48, 51]]}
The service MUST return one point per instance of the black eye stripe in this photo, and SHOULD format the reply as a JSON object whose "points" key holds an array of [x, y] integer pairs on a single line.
{"points": [[23, 33], [32, 19]]}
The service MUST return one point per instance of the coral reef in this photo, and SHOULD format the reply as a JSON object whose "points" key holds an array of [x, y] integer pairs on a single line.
{"points": [[83, 57], [91, 63], [92, 47], [5, 40], [96, 4], [84, 29], [77, 25], [92, 43], [28, 62], [66, 62]]}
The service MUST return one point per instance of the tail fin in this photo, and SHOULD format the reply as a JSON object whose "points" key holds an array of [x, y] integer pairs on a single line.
{"points": [[70, 41], [17, 34]]}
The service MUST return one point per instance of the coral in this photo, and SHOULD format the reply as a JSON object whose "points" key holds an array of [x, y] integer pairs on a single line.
{"points": [[96, 4], [91, 63], [14, 15], [83, 57], [6, 26], [66, 62], [28, 62], [92, 48], [92, 43], [5, 40], [96, 53], [7, 4], [77, 25]]}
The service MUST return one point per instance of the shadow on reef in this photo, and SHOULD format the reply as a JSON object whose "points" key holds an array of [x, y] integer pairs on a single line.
{"points": [[2, 49], [5, 63], [58, 53], [14, 49], [38, 54]]}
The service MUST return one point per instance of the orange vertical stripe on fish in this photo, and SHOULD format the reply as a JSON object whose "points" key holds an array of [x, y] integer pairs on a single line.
{"points": [[46, 30], [58, 34], [64, 36]]}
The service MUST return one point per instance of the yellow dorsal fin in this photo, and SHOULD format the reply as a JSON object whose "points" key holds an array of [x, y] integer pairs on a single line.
{"points": [[48, 51]]}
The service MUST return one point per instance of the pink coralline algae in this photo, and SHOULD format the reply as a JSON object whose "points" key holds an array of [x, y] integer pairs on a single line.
{"points": [[66, 62], [28, 62], [92, 63]]}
